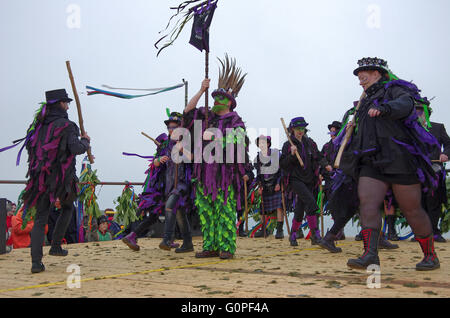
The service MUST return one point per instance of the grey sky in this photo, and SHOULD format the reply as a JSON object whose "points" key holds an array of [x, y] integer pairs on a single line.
{"points": [[299, 57]]}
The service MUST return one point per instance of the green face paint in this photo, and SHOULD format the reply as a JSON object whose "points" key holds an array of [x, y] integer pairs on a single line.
{"points": [[221, 103]]}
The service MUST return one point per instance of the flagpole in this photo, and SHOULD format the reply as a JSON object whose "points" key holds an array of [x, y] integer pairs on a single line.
{"points": [[207, 90]]}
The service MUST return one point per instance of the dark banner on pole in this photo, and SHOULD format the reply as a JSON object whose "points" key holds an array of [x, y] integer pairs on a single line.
{"points": [[200, 29]]}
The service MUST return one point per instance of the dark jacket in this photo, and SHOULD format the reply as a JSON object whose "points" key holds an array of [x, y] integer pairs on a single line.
{"points": [[376, 141], [439, 132], [51, 158], [312, 160]]}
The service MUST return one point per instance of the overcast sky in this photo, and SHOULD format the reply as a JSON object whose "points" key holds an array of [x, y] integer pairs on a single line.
{"points": [[299, 56]]}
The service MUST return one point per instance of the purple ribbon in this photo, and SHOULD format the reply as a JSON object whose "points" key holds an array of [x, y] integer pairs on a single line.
{"points": [[136, 155]]}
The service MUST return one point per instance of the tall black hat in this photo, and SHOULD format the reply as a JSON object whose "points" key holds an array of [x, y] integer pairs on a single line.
{"points": [[372, 63], [58, 95], [335, 124], [174, 117]]}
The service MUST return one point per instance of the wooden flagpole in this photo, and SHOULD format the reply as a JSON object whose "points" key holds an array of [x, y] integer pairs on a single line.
{"points": [[80, 115]]}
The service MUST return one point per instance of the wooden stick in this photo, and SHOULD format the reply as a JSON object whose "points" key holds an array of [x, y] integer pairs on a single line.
{"points": [[157, 143], [348, 134], [321, 209], [292, 144], [284, 210], [263, 216], [207, 90], [80, 115], [246, 206]]}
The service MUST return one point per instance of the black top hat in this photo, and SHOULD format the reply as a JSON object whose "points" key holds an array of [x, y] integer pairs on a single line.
{"points": [[174, 117], [58, 95], [335, 124], [298, 122], [372, 63]]}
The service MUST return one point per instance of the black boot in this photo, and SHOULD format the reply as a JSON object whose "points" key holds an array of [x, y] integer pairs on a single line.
{"points": [[430, 260], [37, 267], [300, 234], [315, 237], [185, 229], [242, 233], [293, 239], [359, 237], [328, 243], [259, 233], [340, 236], [371, 238], [280, 234], [57, 250], [392, 233], [385, 244], [169, 228]]}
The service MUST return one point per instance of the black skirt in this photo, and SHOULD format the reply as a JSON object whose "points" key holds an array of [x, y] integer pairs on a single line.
{"points": [[402, 179]]}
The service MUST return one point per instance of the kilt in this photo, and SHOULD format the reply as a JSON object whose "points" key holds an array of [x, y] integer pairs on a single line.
{"points": [[272, 201]]}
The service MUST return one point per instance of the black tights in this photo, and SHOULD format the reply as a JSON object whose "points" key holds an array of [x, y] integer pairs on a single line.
{"points": [[371, 195]]}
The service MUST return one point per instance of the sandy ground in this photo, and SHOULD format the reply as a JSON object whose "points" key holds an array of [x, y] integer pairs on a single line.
{"points": [[261, 268]]}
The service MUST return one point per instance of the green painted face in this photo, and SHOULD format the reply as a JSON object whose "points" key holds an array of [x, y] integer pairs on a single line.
{"points": [[220, 103], [299, 128]]}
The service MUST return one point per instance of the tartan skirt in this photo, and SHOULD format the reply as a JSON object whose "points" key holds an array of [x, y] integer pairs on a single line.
{"points": [[272, 201]]}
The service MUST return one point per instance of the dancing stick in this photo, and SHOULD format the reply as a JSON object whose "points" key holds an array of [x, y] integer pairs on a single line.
{"points": [[263, 215], [155, 141], [284, 210], [292, 144], [246, 206], [348, 134], [321, 208], [80, 115]]}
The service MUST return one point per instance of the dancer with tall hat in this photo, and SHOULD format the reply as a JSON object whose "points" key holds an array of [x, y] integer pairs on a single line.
{"points": [[388, 148], [219, 174], [52, 143]]}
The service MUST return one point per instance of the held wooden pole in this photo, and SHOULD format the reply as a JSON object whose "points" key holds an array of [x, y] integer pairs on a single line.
{"points": [[348, 134], [80, 115], [207, 90], [321, 209], [246, 206], [292, 144], [263, 216], [157, 143], [284, 210]]}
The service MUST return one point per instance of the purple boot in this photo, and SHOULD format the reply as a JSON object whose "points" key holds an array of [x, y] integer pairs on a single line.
{"points": [[131, 241]]}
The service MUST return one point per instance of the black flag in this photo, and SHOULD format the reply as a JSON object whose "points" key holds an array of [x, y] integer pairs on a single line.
{"points": [[200, 29]]}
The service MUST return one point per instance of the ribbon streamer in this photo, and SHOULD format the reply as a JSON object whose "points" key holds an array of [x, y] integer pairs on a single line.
{"points": [[95, 91]]}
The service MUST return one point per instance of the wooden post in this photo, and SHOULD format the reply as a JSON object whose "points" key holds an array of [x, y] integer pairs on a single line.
{"points": [[3, 226], [186, 84], [284, 210], [292, 144], [348, 134], [246, 206], [263, 216], [80, 115]]}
